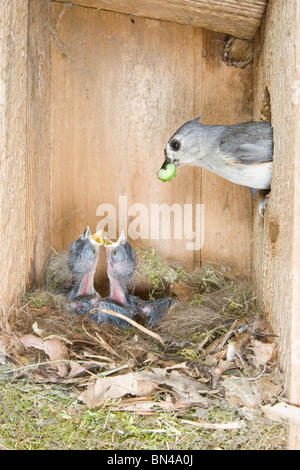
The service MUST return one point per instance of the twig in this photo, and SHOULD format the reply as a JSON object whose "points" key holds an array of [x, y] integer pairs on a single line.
{"points": [[207, 425], [102, 342], [132, 322]]}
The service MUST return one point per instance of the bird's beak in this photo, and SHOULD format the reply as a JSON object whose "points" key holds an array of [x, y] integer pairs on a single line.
{"points": [[166, 162], [97, 238], [86, 233], [109, 245]]}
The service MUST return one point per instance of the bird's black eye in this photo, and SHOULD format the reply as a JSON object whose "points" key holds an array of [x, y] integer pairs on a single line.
{"points": [[175, 144]]}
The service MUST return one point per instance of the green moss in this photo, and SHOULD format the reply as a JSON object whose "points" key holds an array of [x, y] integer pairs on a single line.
{"points": [[50, 417]]}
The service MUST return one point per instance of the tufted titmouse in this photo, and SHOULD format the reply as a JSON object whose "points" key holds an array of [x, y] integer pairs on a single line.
{"points": [[241, 153]]}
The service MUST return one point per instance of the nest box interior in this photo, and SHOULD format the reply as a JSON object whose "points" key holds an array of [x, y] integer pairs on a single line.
{"points": [[91, 94]]}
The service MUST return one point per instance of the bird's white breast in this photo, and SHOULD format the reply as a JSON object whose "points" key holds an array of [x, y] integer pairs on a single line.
{"points": [[255, 176]]}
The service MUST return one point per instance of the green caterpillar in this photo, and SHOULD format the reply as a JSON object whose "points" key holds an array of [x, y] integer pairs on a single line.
{"points": [[166, 174]]}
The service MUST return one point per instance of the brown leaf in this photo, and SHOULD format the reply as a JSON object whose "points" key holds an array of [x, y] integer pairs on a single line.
{"points": [[143, 383], [240, 391], [264, 352], [109, 387], [32, 341], [75, 370], [183, 291], [57, 349], [282, 411], [268, 389]]}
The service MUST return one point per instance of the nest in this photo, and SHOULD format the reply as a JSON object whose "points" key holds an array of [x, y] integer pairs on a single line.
{"points": [[213, 344]]}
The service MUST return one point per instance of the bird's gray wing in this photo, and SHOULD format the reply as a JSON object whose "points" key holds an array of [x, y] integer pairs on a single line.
{"points": [[247, 143]]}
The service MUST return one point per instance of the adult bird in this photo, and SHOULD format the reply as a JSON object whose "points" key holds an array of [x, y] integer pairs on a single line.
{"points": [[241, 153]]}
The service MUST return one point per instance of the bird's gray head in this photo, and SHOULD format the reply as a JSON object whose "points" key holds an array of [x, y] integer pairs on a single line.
{"points": [[84, 253], [186, 144], [121, 258]]}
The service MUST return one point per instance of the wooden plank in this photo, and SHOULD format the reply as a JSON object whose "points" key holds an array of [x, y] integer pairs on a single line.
{"points": [[273, 250], [240, 19], [277, 244], [119, 89], [294, 434], [38, 155], [227, 99], [13, 147]]}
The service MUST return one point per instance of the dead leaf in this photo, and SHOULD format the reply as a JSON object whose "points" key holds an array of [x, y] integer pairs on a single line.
{"points": [[261, 328], [39, 331], [240, 391], [54, 347], [149, 407], [183, 291], [32, 341], [75, 370], [56, 350], [282, 411], [268, 389], [187, 388], [143, 383], [110, 387], [264, 352]]}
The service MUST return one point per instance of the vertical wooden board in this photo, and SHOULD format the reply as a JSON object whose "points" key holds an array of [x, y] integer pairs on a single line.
{"points": [[258, 258], [272, 254], [120, 86], [294, 434], [276, 252], [38, 134], [227, 99], [13, 147]]}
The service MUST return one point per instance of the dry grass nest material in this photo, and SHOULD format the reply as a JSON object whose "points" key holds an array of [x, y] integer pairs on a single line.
{"points": [[215, 345]]}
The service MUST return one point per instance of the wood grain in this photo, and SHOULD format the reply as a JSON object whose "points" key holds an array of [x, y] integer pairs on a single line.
{"points": [[119, 90], [13, 147], [294, 434], [227, 99], [38, 136], [240, 19], [117, 94], [276, 250]]}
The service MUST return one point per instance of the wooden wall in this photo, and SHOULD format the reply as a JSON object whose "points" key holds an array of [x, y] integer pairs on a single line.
{"points": [[240, 19], [13, 146], [276, 262], [38, 142], [84, 119], [120, 86], [24, 145]]}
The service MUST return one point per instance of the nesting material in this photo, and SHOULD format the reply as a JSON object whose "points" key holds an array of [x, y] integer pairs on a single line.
{"points": [[214, 342]]}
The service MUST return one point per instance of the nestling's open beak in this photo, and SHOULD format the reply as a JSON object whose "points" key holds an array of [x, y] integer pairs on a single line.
{"points": [[97, 238], [109, 245]]}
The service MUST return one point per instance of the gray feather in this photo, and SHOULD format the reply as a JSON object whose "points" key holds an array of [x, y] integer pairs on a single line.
{"points": [[247, 143]]}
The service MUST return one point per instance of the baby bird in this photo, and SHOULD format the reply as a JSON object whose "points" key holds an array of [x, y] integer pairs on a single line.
{"points": [[241, 153], [83, 258], [121, 263]]}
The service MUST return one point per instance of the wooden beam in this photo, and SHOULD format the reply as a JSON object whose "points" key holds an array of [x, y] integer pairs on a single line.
{"points": [[294, 434], [13, 146], [276, 246], [237, 18], [38, 155]]}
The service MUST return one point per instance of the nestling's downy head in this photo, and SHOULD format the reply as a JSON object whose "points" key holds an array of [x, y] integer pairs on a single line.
{"points": [[186, 144], [84, 253], [121, 258]]}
